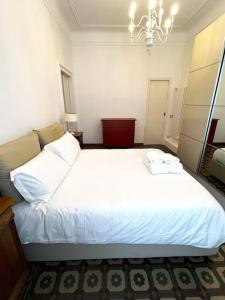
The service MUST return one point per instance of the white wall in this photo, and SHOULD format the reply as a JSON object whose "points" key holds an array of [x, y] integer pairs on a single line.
{"points": [[32, 46], [111, 77]]}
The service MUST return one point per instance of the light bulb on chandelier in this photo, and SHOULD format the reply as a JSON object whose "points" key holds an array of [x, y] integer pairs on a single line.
{"points": [[151, 23]]}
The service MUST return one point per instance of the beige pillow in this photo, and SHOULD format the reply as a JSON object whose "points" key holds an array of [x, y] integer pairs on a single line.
{"points": [[49, 134], [13, 155]]}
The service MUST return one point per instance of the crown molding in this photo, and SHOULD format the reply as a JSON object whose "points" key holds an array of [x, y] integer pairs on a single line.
{"points": [[194, 15], [95, 26], [81, 25], [74, 13], [123, 43], [59, 21]]}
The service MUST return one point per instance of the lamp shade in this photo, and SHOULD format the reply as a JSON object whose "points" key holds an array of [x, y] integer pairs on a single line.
{"points": [[71, 118]]}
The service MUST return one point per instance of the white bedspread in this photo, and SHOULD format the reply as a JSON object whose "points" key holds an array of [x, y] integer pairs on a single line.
{"points": [[110, 197], [219, 155]]}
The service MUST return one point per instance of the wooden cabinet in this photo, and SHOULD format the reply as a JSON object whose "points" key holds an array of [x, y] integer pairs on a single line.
{"points": [[118, 132], [14, 270]]}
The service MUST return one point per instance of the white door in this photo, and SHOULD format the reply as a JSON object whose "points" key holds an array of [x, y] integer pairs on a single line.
{"points": [[156, 111]]}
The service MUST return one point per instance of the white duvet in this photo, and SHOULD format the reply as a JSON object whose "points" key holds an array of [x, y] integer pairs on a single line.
{"points": [[110, 197]]}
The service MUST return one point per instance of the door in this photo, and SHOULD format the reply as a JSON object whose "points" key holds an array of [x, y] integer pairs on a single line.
{"points": [[156, 111]]}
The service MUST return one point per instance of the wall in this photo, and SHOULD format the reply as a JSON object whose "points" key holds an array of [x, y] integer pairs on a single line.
{"points": [[32, 46], [111, 77]]}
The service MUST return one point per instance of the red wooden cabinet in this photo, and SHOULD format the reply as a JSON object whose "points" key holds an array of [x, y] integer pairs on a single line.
{"points": [[118, 132], [212, 131]]}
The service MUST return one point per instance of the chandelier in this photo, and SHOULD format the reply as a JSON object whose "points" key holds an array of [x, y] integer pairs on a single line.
{"points": [[152, 24]]}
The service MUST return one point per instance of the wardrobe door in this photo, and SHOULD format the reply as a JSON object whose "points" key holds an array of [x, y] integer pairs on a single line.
{"points": [[213, 158], [195, 115], [208, 45], [206, 62]]}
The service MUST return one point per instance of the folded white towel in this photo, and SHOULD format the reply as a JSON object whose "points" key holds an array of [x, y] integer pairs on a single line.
{"points": [[176, 168], [170, 159], [155, 156], [163, 168]]}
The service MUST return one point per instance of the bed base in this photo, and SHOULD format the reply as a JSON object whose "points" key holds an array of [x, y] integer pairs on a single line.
{"points": [[58, 252]]}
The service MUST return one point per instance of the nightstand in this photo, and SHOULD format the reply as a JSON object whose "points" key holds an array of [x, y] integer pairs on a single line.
{"points": [[14, 270], [79, 136]]}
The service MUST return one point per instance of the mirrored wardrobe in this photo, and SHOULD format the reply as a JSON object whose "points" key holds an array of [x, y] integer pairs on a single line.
{"points": [[204, 76], [212, 164], [201, 146]]}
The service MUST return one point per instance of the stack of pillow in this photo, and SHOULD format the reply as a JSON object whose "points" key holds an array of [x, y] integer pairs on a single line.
{"points": [[38, 179]]}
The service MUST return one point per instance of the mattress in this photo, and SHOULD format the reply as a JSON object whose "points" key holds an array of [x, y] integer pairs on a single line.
{"points": [[219, 155], [110, 197]]}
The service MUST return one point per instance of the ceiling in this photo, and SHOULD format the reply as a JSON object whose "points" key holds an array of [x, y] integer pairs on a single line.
{"points": [[113, 14]]}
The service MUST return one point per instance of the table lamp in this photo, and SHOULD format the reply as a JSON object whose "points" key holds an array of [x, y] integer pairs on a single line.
{"points": [[70, 120]]}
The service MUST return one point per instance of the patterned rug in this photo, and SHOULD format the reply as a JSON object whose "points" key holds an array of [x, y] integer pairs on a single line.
{"points": [[189, 278]]}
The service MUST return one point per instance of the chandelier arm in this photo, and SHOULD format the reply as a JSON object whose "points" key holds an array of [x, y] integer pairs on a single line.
{"points": [[162, 40], [142, 18], [155, 14], [139, 34], [155, 24], [163, 33], [171, 27]]}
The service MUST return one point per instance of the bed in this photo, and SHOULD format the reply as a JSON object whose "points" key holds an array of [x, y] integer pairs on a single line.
{"points": [[109, 206], [217, 164]]}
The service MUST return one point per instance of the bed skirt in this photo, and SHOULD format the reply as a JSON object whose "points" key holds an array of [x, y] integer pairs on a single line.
{"points": [[58, 252]]}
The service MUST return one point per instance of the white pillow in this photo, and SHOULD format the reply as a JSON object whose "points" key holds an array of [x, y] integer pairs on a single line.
{"points": [[38, 179], [67, 148]]}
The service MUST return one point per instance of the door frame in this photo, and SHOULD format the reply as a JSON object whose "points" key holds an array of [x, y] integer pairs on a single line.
{"points": [[69, 74], [166, 110]]}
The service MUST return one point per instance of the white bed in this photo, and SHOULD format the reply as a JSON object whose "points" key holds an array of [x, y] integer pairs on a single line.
{"points": [[109, 198]]}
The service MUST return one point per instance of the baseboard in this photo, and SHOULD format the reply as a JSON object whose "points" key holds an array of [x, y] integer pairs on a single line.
{"points": [[101, 146]]}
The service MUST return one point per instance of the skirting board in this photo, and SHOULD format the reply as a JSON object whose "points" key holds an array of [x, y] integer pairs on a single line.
{"points": [[58, 252], [101, 146]]}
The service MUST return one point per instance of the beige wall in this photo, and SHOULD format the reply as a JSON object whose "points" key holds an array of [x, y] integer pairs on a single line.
{"points": [[111, 77], [206, 60], [32, 46]]}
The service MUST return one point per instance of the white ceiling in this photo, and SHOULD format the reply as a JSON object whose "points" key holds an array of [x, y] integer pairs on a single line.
{"points": [[103, 14]]}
